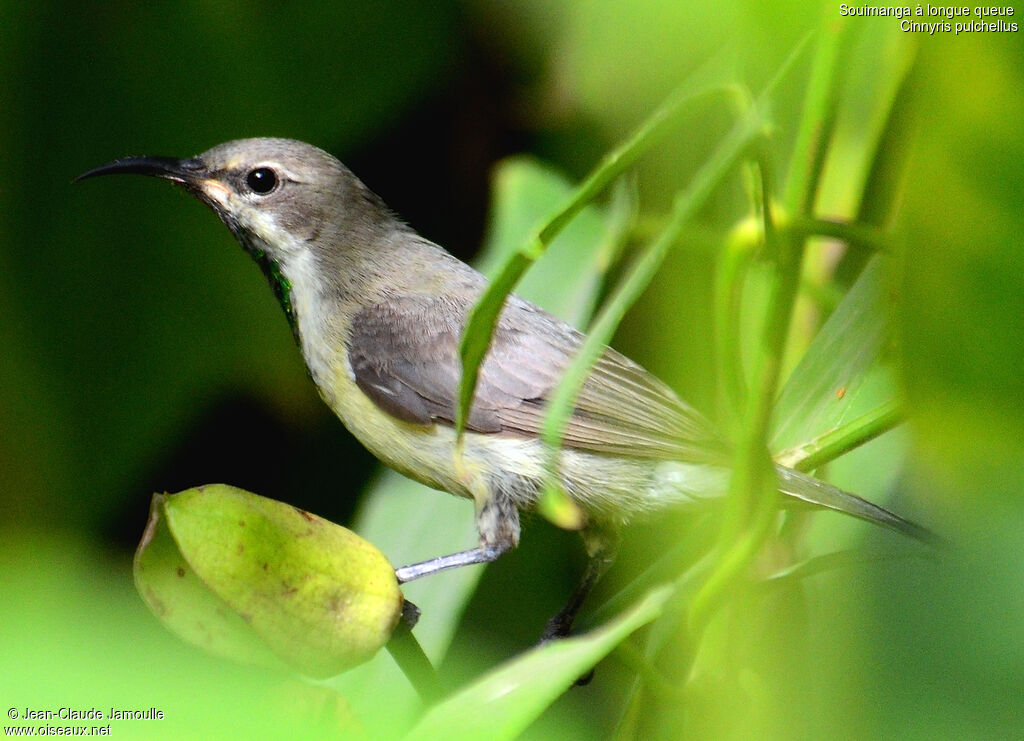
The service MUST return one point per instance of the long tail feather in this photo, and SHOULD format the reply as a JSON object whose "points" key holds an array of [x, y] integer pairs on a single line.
{"points": [[808, 489]]}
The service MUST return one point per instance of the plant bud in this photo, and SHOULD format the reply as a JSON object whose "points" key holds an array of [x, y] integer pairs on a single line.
{"points": [[262, 582]]}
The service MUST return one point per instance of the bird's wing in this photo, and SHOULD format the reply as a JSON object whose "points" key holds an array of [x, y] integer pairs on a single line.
{"points": [[404, 355]]}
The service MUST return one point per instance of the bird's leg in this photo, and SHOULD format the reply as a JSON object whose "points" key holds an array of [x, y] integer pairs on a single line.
{"points": [[601, 546], [497, 520], [451, 561]]}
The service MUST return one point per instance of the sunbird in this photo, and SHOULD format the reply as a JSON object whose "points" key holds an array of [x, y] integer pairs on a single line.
{"points": [[378, 313]]}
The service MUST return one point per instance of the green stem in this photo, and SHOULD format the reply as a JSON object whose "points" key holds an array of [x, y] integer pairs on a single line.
{"points": [[751, 501], [411, 659], [885, 177], [832, 445], [671, 644], [739, 253], [868, 238], [804, 178], [816, 123]]}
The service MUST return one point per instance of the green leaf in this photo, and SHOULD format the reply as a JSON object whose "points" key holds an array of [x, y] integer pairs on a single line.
{"points": [[502, 703], [820, 392]]}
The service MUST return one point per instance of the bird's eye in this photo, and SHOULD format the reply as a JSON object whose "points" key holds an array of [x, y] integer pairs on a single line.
{"points": [[261, 181]]}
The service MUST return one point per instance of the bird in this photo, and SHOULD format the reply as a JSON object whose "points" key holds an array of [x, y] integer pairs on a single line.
{"points": [[378, 312]]}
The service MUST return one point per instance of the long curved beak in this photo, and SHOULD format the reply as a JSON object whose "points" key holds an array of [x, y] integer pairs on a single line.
{"points": [[188, 171]]}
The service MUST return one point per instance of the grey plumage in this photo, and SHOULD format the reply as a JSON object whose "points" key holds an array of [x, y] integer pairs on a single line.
{"points": [[404, 355]]}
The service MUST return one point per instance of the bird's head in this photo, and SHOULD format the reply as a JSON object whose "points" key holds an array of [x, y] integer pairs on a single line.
{"points": [[278, 196], [296, 209]]}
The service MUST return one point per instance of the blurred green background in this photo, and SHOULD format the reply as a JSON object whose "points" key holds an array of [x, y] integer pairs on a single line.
{"points": [[141, 351]]}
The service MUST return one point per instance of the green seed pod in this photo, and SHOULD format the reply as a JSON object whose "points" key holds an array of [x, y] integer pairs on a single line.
{"points": [[262, 582]]}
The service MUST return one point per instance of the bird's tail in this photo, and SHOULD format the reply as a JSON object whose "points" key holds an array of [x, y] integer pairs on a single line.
{"points": [[808, 489]]}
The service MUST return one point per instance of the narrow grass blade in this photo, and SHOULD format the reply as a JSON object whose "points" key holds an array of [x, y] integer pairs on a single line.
{"points": [[502, 703]]}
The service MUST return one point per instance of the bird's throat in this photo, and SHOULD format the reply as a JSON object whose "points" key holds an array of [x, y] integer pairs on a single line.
{"points": [[279, 282], [280, 285]]}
